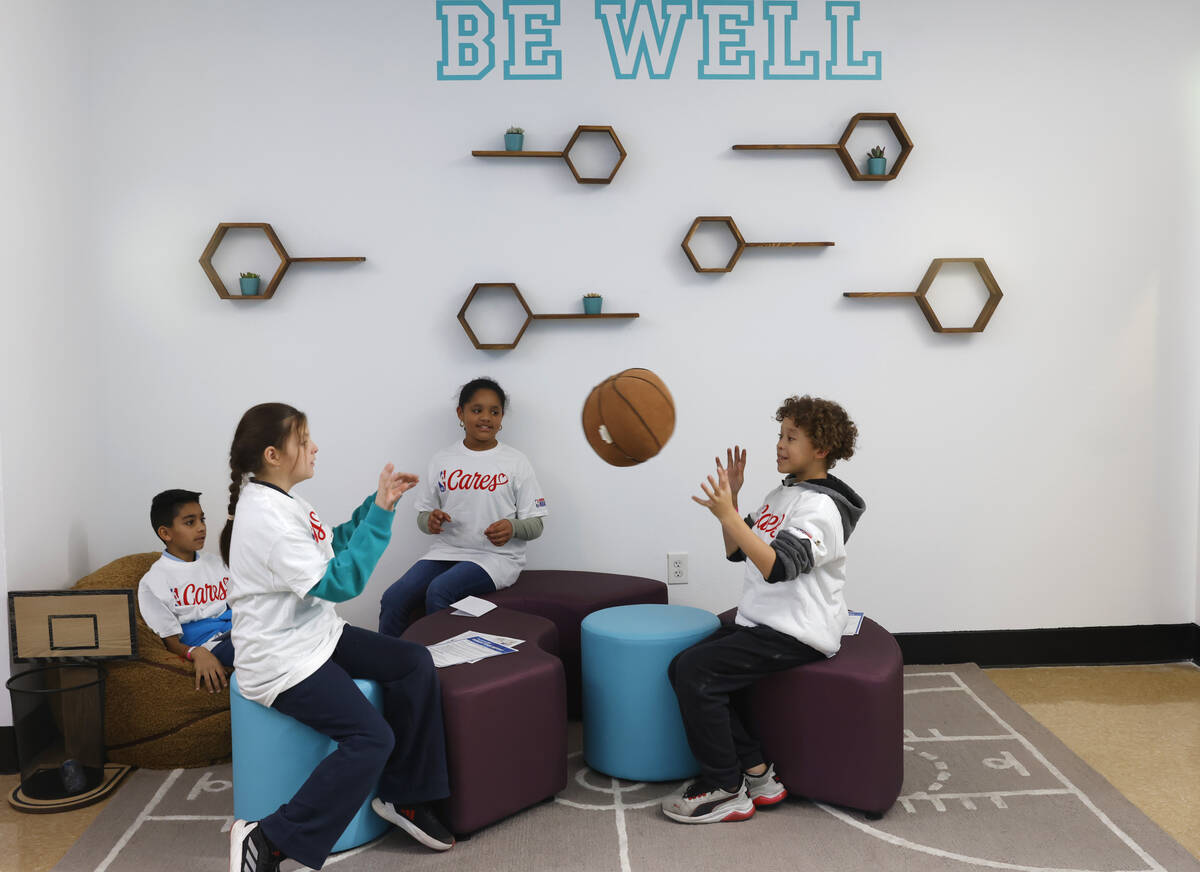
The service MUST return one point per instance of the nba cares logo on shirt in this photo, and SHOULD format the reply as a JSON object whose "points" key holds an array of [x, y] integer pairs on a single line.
{"points": [[461, 480], [318, 530], [768, 523]]}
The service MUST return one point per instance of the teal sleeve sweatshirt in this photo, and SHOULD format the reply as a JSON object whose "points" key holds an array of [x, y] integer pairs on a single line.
{"points": [[357, 546]]}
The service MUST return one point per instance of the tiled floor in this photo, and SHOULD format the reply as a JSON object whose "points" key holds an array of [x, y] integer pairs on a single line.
{"points": [[1139, 726]]}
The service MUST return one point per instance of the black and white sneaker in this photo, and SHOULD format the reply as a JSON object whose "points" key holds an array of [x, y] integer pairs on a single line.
{"points": [[704, 803], [765, 789], [249, 850], [418, 821]]}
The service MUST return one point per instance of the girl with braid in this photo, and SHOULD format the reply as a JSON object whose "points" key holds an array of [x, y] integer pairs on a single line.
{"points": [[294, 654]]}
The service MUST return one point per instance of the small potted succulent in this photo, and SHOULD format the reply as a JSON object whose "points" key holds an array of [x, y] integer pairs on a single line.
{"points": [[592, 303], [249, 283], [514, 139], [876, 162]]}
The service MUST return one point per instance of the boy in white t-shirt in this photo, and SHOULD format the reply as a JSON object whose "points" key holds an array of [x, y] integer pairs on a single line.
{"points": [[183, 595]]}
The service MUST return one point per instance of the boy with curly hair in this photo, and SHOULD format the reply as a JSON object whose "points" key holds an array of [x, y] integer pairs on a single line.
{"points": [[791, 610]]}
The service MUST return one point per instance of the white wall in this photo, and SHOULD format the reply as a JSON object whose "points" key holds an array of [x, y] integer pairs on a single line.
{"points": [[1043, 473], [50, 477]]}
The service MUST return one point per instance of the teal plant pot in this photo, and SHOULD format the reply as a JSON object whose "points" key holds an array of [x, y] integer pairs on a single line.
{"points": [[514, 141], [591, 305], [249, 286], [877, 166]]}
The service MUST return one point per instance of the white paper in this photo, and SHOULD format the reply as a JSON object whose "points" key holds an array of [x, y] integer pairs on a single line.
{"points": [[473, 606], [470, 648], [854, 624], [500, 640]]}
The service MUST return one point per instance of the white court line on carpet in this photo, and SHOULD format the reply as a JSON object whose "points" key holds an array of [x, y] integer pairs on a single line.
{"points": [[938, 800], [618, 807]]}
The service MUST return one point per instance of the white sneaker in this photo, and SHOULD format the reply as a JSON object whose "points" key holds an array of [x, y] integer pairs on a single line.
{"points": [[766, 789], [703, 803]]}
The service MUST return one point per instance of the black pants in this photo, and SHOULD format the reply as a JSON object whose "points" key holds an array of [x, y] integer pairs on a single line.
{"points": [[711, 680], [403, 747]]}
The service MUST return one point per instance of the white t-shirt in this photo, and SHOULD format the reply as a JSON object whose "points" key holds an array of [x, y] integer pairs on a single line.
{"points": [[173, 593], [279, 552], [476, 489], [810, 607]]}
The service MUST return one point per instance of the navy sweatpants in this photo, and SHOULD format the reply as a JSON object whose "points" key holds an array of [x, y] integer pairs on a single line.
{"points": [[405, 743]]}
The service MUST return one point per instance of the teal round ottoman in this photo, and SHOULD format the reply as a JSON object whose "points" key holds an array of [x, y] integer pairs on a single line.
{"points": [[631, 723], [273, 754]]}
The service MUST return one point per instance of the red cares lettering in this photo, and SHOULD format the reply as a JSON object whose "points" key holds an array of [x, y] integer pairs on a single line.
{"points": [[198, 596], [318, 530], [462, 480], [768, 523]]}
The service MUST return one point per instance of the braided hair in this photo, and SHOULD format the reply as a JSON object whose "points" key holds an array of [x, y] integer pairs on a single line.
{"points": [[263, 426]]}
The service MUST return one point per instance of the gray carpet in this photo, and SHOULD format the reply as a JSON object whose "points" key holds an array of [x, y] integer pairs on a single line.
{"points": [[985, 787]]}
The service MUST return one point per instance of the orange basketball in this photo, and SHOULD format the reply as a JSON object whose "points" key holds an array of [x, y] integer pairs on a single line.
{"points": [[629, 417]]}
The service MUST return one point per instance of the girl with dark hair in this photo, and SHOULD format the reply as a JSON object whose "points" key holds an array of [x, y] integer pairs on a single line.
{"points": [[483, 502], [294, 654]]}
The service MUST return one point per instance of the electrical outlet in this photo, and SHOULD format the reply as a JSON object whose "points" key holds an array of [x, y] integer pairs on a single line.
{"points": [[677, 567]]}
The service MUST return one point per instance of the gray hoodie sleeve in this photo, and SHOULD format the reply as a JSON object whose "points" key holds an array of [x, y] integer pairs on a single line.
{"points": [[793, 557]]}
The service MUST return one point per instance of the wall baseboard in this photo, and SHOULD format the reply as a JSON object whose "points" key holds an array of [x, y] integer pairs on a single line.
{"points": [[8, 751], [1063, 646]]}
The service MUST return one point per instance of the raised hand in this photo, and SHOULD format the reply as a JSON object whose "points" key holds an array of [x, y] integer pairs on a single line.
{"points": [[735, 469], [392, 485], [436, 519], [500, 532], [718, 498]]}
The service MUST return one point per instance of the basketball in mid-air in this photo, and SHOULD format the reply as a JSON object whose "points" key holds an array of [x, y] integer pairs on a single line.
{"points": [[629, 417]]}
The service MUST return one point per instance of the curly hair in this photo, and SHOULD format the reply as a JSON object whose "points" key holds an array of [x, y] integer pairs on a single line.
{"points": [[825, 422]]}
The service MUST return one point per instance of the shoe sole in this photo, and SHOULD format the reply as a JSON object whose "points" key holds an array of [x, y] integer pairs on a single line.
{"points": [[770, 799], [409, 827], [237, 836], [716, 816]]}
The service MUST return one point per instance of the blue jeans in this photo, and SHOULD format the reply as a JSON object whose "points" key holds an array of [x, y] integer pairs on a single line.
{"points": [[437, 583], [403, 747]]}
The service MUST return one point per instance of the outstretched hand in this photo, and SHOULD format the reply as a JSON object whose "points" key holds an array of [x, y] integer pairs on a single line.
{"points": [[718, 498], [392, 485], [735, 468]]}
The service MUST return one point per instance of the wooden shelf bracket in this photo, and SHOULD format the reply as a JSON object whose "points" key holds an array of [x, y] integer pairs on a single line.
{"points": [[740, 243], [921, 294], [285, 259], [892, 120], [565, 154], [530, 317]]}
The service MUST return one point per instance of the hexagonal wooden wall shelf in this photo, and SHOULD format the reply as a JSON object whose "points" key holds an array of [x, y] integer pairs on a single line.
{"points": [[530, 317], [565, 154], [893, 121], [285, 259], [740, 243], [922, 294]]}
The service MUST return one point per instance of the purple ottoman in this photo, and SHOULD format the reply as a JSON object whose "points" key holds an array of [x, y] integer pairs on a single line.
{"points": [[835, 728], [566, 597], [505, 718]]}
